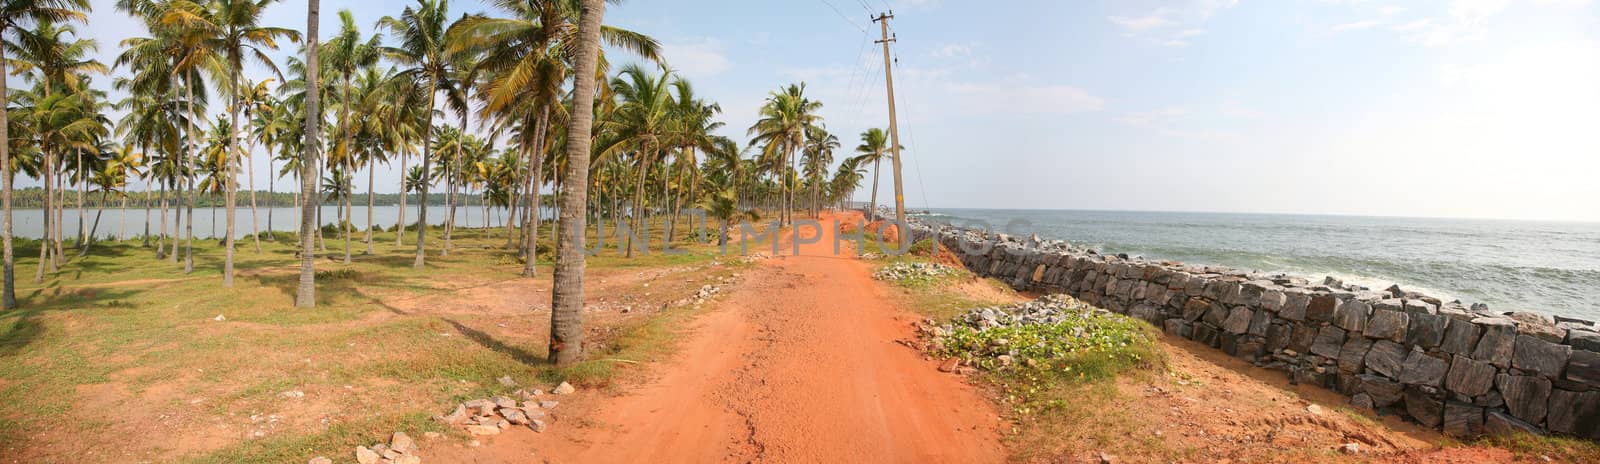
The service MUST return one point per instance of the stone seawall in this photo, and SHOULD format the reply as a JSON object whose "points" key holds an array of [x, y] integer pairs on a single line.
{"points": [[1462, 369]]}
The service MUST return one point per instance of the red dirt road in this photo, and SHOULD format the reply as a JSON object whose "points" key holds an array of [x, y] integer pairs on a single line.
{"points": [[798, 364]]}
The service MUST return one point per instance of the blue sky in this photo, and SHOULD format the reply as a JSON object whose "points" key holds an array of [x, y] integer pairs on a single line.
{"points": [[1457, 108]]}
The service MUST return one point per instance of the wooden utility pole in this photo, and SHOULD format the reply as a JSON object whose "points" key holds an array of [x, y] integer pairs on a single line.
{"points": [[894, 131]]}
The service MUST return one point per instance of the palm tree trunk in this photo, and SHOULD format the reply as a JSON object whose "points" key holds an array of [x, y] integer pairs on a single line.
{"points": [[9, 293], [250, 173], [400, 223], [536, 163], [566, 313], [372, 168], [427, 151], [161, 243], [83, 221], [230, 182], [305, 296], [49, 216], [272, 193], [636, 212], [194, 193], [101, 208], [872, 209]]}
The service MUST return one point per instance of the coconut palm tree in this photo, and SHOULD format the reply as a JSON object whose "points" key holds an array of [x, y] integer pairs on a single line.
{"points": [[232, 31], [346, 55], [423, 50], [15, 16], [642, 119], [816, 158], [305, 296], [785, 119], [874, 142], [566, 301]]}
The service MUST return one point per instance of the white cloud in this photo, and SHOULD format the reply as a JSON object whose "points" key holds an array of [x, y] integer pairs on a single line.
{"points": [[1014, 97], [952, 50], [696, 58], [1147, 117], [1161, 17], [1358, 25], [1233, 109], [1191, 33]]}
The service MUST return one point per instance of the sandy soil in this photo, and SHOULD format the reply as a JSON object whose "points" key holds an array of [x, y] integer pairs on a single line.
{"points": [[799, 364]]}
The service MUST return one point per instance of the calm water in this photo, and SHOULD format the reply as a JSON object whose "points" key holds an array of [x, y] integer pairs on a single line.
{"points": [[1547, 267], [211, 222]]}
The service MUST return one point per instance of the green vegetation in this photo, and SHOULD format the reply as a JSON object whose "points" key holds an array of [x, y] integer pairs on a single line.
{"points": [[114, 332]]}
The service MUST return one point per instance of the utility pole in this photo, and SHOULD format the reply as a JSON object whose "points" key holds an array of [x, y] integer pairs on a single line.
{"points": [[894, 131]]}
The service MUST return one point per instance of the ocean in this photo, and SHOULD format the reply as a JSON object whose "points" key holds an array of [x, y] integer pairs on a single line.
{"points": [[1545, 267]]}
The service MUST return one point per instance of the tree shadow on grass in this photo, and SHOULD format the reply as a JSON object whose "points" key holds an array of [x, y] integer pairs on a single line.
{"points": [[487, 341]]}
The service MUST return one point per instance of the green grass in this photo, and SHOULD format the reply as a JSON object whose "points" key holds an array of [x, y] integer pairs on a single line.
{"points": [[120, 317]]}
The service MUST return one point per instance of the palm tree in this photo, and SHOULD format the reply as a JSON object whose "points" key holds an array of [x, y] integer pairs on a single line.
{"points": [[818, 155], [347, 55], [305, 297], [786, 117], [232, 30], [526, 58], [873, 143], [421, 32], [256, 102], [724, 207], [566, 301], [642, 120], [14, 16]]}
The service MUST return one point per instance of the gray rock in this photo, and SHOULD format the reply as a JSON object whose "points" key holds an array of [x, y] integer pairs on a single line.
{"points": [[1363, 401], [1301, 337], [1321, 307], [1353, 354], [1273, 300], [1537, 355], [1278, 337], [1177, 327], [1584, 367], [1541, 328], [1426, 330], [320, 460], [1295, 304], [1259, 321], [402, 443], [1194, 309], [1238, 321], [1501, 424], [1576, 414], [1206, 334], [1424, 408], [1527, 397], [564, 389], [1417, 306], [1499, 340], [1384, 392], [1462, 420], [1584, 340], [1421, 369], [1328, 342], [1352, 315], [1460, 337], [1469, 377], [1386, 358], [1217, 315], [1387, 324], [367, 456]]}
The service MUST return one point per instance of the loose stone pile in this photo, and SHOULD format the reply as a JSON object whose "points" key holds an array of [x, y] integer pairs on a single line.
{"points": [[1464, 369], [1049, 309], [400, 449], [490, 416], [904, 271]]}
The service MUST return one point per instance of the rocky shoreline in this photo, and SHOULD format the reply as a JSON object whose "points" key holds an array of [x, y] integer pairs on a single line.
{"points": [[1463, 369]]}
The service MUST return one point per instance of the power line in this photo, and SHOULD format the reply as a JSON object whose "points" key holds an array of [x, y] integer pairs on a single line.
{"points": [[843, 17], [911, 133]]}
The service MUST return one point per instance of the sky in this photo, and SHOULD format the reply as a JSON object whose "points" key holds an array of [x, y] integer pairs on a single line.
{"points": [[1432, 108]]}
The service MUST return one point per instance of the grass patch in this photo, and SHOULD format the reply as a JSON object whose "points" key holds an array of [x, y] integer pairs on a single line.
{"points": [[1557, 448]]}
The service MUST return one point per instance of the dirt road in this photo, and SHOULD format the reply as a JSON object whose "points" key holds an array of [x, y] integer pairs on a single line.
{"points": [[799, 364]]}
